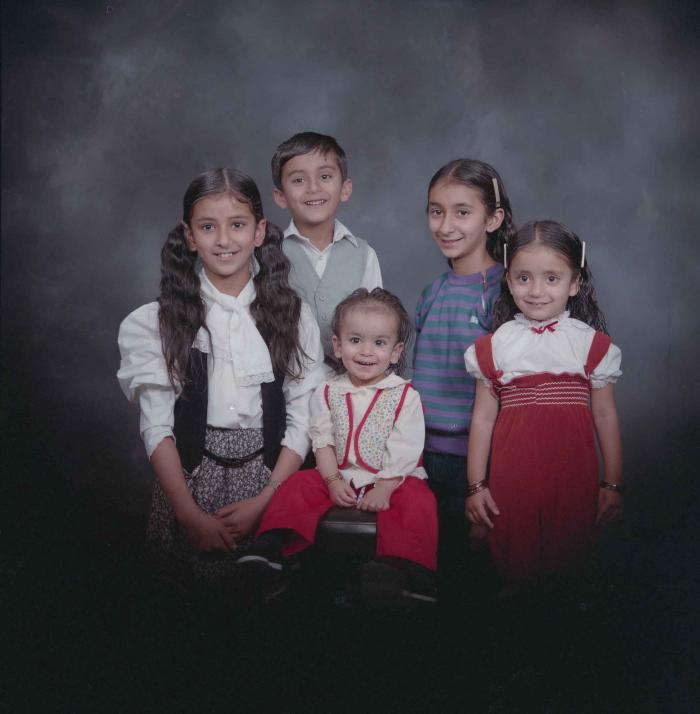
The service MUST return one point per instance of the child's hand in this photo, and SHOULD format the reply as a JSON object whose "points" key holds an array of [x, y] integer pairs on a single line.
{"points": [[241, 517], [378, 498], [481, 507], [207, 533], [341, 493], [609, 506]]}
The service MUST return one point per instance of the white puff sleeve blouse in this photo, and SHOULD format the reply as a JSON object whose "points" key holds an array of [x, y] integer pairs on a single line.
{"points": [[559, 346], [238, 362]]}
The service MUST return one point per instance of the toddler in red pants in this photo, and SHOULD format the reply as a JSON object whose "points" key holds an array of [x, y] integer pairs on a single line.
{"points": [[367, 433]]}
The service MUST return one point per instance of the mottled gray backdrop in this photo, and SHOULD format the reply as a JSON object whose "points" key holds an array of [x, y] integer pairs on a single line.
{"points": [[588, 110]]}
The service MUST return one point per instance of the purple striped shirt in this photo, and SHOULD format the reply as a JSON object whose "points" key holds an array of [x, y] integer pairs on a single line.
{"points": [[451, 313]]}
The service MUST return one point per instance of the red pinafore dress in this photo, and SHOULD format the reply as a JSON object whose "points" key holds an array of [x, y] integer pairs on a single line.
{"points": [[543, 471]]}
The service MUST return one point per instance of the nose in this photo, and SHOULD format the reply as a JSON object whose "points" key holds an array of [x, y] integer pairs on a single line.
{"points": [[312, 185], [446, 225], [222, 238], [536, 287]]}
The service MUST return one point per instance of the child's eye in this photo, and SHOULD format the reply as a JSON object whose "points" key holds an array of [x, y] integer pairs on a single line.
{"points": [[207, 226], [380, 343], [298, 179], [325, 177], [552, 278], [435, 212], [237, 225], [522, 278], [462, 212], [354, 340]]}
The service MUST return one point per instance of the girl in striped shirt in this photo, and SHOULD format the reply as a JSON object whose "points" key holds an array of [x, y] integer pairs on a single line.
{"points": [[469, 217]]}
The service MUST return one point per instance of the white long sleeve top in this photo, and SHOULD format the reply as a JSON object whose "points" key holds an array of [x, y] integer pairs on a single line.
{"points": [[238, 362], [404, 447]]}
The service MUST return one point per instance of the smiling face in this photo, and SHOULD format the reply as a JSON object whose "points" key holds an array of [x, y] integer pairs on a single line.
{"points": [[541, 281], [368, 343], [460, 223], [312, 189], [224, 232]]}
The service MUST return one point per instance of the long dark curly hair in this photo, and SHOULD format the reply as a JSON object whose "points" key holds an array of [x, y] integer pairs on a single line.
{"points": [[583, 306], [382, 299], [276, 308], [479, 175]]}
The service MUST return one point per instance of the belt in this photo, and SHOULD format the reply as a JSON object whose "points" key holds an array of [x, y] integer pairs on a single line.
{"points": [[235, 463]]}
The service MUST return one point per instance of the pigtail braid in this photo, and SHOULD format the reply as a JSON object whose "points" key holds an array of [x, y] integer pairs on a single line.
{"points": [[277, 307], [181, 309]]}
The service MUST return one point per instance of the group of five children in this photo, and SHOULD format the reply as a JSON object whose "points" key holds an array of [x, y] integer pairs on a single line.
{"points": [[263, 344]]}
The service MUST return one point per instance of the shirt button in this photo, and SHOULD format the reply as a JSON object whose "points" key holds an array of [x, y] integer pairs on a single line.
{"points": [[322, 298], [232, 408]]}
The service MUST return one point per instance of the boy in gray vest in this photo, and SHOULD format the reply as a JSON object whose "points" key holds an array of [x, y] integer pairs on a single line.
{"points": [[310, 174]]}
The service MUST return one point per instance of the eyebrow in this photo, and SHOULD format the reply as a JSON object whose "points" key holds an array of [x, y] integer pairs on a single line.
{"points": [[229, 218], [456, 205]]}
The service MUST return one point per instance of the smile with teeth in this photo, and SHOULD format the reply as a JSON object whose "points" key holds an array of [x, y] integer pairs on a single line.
{"points": [[315, 202], [365, 364]]}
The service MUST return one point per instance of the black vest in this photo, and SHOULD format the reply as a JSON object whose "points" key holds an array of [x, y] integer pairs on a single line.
{"points": [[191, 414]]}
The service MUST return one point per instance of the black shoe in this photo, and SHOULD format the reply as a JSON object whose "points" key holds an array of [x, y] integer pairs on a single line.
{"points": [[260, 554], [421, 584]]}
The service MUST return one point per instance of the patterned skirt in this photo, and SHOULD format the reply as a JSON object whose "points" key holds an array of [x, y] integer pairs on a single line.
{"points": [[168, 551]]}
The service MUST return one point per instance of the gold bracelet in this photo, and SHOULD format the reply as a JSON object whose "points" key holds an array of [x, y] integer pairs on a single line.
{"points": [[476, 487], [328, 480], [610, 486]]}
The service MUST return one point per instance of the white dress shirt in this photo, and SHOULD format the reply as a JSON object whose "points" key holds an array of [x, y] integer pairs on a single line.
{"points": [[372, 276], [238, 362], [518, 350], [404, 446]]}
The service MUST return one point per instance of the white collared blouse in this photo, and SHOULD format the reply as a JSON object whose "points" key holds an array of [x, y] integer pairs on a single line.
{"points": [[558, 346], [238, 362]]}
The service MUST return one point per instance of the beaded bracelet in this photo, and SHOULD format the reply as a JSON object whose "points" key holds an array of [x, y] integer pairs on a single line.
{"points": [[476, 487], [328, 480], [610, 486]]}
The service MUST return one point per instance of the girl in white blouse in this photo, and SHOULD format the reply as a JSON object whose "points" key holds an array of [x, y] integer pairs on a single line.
{"points": [[545, 392], [222, 367], [367, 432]]}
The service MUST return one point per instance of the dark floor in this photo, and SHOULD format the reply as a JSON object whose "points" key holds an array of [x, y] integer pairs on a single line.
{"points": [[86, 633]]}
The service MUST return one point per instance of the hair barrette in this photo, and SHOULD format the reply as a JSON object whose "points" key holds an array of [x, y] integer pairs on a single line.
{"points": [[496, 192], [505, 254], [583, 253]]}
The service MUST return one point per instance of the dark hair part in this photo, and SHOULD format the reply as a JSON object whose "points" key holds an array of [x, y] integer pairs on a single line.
{"points": [[479, 175], [384, 300], [276, 308], [306, 143], [583, 306]]}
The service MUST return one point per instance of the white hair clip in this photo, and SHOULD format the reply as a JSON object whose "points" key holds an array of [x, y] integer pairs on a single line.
{"points": [[583, 253], [496, 192], [505, 258]]}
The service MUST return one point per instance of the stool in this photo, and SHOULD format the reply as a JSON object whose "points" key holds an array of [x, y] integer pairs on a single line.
{"points": [[348, 531]]}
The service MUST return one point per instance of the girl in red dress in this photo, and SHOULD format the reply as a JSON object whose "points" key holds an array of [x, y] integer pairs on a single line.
{"points": [[545, 391]]}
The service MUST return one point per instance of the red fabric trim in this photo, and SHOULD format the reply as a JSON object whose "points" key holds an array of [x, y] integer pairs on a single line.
{"points": [[348, 402], [325, 396], [599, 348], [484, 358], [359, 430], [401, 401]]}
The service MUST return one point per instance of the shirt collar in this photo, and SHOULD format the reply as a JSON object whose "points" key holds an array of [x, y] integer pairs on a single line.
{"points": [[522, 320], [339, 232], [391, 380], [212, 294]]}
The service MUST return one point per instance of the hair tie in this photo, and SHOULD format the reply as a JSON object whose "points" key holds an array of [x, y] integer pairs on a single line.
{"points": [[583, 253], [505, 253], [496, 192]]}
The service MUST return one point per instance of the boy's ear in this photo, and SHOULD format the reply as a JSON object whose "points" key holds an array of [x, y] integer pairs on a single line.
{"points": [[189, 237], [396, 353], [346, 190], [495, 220], [279, 198], [336, 347]]}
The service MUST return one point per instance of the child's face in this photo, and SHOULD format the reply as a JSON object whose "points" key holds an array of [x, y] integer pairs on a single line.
{"points": [[459, 223], [541, 281], [312, 188], [224, 232], [368, 344]]}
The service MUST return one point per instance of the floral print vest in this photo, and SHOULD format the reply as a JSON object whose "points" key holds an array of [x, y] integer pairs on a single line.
{"points": [[374, 427]]}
